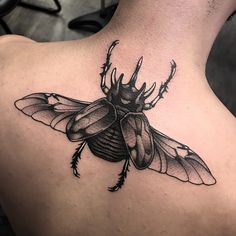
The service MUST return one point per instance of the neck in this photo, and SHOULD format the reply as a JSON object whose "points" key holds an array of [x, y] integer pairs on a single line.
{"points": [[166, 27]]}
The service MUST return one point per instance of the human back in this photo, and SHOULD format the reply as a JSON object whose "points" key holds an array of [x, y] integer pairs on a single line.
{"points": [[38, 189]]}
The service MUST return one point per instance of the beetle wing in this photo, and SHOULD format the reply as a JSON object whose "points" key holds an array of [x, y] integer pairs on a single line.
{"points": [[92, 120], [138, 138], [50, 109], [179, 161]]}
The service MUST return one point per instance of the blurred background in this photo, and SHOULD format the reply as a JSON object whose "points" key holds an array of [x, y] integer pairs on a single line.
{"points": [[59, 20]]}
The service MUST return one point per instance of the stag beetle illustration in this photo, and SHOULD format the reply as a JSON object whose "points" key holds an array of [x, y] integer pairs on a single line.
{"points": [[116, 129]]}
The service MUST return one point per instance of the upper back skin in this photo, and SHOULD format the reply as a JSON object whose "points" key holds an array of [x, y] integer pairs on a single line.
{"points": [[37, 189]]}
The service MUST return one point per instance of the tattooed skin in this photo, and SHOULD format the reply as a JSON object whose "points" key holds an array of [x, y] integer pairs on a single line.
{"points": [[115, 127]]}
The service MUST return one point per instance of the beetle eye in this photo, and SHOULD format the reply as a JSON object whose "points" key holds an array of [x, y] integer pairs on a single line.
{"points": [[124, 101]]}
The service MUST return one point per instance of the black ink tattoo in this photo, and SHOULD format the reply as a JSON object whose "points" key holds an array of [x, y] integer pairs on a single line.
{"points": [[115, 127]]}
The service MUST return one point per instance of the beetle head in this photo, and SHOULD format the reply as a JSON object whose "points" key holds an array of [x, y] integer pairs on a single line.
{"points": [[127, 95]]}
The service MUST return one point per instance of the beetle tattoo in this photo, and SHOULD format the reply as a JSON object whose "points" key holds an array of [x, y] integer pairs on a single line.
{"points": [[116, 129]]}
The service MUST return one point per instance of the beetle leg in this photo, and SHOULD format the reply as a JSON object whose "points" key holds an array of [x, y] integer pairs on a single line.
{"points": [[75, 159], [122, 177], [163, 88], [105, 67]]}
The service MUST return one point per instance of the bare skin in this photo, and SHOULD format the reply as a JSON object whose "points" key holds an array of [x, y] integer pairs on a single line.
{"points": [[37, 189]]}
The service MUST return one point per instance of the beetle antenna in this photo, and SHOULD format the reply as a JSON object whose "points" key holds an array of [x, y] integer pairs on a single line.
{"points": [[105, 68], [135, 74], [163, 88]]}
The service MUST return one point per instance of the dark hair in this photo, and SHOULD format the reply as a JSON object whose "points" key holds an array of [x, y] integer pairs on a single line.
{"points": [[231, 16]]}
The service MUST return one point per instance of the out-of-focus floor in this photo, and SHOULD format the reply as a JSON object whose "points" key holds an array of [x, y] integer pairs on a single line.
{"points": [[221, 65]]}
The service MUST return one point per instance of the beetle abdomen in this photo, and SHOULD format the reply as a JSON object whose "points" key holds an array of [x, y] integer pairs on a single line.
{"points": [[109, 144]]}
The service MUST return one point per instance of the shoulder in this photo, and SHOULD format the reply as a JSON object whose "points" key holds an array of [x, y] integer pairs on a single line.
{"points": [[12, 45], [5, 39], [13, 53], [12, 48]]}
